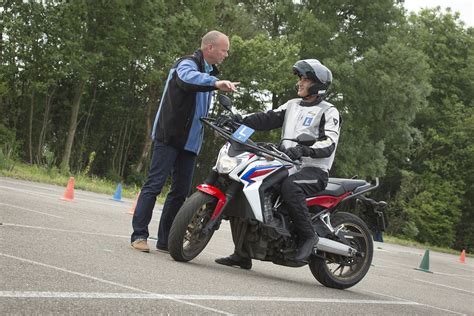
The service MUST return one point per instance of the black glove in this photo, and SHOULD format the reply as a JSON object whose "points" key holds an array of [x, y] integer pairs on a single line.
{"points": [[297, 152], [224, 120], [237, 118]]}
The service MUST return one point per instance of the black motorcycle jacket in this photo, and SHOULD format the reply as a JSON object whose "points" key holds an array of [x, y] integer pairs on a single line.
{"points": [[321, 120], [186, 98]]}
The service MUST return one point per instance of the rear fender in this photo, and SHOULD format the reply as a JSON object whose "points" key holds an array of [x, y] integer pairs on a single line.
{"points": [[326, 201], [374, 215]]}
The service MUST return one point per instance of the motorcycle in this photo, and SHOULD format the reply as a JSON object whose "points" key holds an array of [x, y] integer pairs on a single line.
{"points": [[243, 187]]}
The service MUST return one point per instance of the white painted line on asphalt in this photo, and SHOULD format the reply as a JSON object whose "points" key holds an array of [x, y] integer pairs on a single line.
{"points": [[126, 204], [191, 297], [64, 230], [460, 276], [398, 265], [161, 296], [421, 304], [447, 286], [45, 186], [290, 299], [30, 210], [31, 192]]}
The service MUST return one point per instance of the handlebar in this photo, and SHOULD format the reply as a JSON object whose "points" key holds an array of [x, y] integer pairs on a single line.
{"points": [[249, 144]]}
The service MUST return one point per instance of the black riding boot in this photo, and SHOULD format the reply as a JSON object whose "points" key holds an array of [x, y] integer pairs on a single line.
{"points": [[305, 248], [235, 260]]}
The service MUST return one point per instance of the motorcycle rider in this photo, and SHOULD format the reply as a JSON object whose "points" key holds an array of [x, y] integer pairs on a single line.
{"points": [[309, 114]]}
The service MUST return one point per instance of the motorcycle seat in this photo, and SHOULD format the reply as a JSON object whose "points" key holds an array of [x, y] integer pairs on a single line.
{"points": [[339, 186]]}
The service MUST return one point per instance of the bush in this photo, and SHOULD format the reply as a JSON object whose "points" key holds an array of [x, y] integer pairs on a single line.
{"points": [[113, 176], [8, 148], [136, 178], [48, 158], [6, 162], [87, 170]]}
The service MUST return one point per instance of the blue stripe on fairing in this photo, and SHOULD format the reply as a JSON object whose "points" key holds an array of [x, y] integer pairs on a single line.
{"points": [[251, 171]]}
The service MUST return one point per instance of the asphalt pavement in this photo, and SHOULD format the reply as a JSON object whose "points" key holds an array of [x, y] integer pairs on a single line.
{"points": [[74, 257]]}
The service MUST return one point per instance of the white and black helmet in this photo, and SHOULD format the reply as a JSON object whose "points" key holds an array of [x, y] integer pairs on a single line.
{"points": [[313, 69]]}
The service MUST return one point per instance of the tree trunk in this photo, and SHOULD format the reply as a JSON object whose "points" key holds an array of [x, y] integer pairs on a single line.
{"points": [[30, 127], [127, 150], [152, 100], [275, 101], [121, 149], [1, 37], [117, 149], [44, 126], [72, 125], [87, 125]]}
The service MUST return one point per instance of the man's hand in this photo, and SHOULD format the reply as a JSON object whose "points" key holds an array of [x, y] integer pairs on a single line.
{"points": [[237, 118], [222, 120], [225, 120], [226, 85], [297, 152]]}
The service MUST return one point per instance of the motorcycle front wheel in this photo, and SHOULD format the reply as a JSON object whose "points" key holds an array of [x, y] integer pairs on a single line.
{"points": [[187, 239], [340, 272]]}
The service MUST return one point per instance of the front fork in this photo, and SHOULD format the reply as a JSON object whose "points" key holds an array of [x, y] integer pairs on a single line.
{"points": [[222, 199]]}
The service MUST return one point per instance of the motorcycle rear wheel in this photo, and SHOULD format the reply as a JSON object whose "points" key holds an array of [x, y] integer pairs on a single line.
{"points": [[186, 239], [339, 272]]}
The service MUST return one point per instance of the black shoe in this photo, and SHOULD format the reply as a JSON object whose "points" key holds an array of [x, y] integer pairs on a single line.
{"points": [[162, 249], [305, 249], [235, 260]]}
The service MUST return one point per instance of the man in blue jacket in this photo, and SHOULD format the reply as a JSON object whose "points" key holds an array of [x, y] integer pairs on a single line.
{"points": [[178, 134]]}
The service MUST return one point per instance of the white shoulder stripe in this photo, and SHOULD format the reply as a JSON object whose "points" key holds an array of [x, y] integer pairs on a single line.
{"points": [[306, 181]]}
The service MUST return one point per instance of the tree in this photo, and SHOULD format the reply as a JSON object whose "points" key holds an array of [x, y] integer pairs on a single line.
{"points": [[379, 98], [440, 160]]}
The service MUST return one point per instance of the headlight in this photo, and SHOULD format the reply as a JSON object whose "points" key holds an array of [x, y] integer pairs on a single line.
{"points": [[225, 163]]}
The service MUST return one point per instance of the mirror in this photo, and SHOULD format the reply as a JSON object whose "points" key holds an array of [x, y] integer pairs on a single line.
{"points": [[225, 101], [305, 139]]}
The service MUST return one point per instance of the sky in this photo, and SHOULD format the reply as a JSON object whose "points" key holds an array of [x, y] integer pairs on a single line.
{"points": [[464, 7]]}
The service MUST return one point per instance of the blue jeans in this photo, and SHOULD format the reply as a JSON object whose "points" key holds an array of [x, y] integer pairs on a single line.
{"points": [[166, 160]]}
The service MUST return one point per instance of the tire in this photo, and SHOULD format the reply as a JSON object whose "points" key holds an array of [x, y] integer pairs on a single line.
{"points": [[186, 240], [339, 272]]}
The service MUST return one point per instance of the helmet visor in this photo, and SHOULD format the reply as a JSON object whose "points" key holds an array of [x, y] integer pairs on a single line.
{"points": [[303, 69]]}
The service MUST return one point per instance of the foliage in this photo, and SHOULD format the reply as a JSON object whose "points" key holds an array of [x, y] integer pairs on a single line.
{"points": [[429, 208], [89, 164], [6, 161], [8, 148], [444, 157], [49, 159], [261, 84]]}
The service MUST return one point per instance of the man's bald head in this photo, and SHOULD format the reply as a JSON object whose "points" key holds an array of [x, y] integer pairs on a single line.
{"points": [[215, 46], [212, 38]]}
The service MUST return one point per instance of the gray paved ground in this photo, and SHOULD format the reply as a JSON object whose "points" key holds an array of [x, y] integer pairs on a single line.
{"points": [[59, 257]]}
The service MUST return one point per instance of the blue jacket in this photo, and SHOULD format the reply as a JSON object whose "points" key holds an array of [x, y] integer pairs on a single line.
{"points": [[186, 97]]}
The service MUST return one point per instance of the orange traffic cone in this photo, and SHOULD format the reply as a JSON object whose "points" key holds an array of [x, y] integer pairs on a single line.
{"points": [[69, 193], [132, 210], [462, 258]]}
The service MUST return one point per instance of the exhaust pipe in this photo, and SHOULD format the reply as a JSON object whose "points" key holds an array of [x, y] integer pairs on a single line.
{"points": [[331, 246]]}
